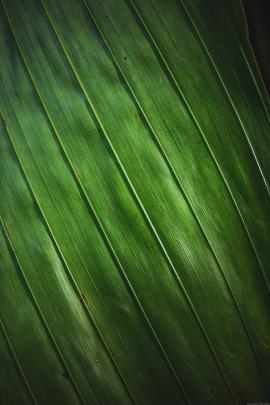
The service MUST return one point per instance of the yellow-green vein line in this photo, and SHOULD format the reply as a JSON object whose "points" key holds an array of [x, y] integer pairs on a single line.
{"points": [[100, 228], [139, 202], [12, 350], [42, 317], [178, 183], [216, 70], [66, 267], [204, 138]]}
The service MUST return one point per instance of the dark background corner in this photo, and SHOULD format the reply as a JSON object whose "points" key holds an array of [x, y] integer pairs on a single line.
{"points": [[258, 19]]}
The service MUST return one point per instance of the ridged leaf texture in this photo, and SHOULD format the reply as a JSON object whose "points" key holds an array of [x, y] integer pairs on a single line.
{"points": [[134, 178]]}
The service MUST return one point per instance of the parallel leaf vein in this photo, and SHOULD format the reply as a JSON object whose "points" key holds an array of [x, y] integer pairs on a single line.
{"points": [[204, 138], [12, 350], [145, 214], [101, 231], [177, 181], [42, 317], [229, 98]]}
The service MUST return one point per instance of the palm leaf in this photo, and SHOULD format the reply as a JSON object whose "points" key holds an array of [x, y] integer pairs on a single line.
{"points": [[135, 204]]}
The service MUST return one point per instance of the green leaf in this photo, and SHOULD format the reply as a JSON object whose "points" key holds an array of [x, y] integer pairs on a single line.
{"points": [[134, 177]]}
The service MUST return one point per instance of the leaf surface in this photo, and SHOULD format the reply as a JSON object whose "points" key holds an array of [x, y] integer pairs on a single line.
{"points": [[135, 212]]}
